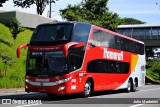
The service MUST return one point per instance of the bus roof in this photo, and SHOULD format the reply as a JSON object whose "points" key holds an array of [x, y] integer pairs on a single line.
{"points": [[65, 22]]}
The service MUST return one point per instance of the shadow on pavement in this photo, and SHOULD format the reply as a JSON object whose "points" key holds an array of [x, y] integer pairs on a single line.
{"points": [[44, 97]]}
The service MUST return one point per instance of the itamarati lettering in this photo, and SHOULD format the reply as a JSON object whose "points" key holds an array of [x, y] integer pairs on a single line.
{"points": [[113, 55]]}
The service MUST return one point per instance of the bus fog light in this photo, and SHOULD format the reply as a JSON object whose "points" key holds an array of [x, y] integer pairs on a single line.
{"points": [[61, 88], [26, 87]]}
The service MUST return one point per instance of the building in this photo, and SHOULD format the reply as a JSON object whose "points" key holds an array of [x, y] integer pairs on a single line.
{"points": [[27, 20], [149, 34]]}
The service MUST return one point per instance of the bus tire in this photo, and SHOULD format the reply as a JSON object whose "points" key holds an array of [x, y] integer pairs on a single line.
{"points": [[87, 89], [134, 86], [129, 86]]}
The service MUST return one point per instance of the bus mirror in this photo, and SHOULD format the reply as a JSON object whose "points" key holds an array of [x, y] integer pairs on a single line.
{"points": [[71, 45], [80, 44], [19, 49]]}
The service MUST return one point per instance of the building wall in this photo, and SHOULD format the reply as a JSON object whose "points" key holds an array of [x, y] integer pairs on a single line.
{"points": [[26, 19], [5, 17]]}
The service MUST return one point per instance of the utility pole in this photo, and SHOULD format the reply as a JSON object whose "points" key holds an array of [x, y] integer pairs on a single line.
{"points": [[50, 8]]}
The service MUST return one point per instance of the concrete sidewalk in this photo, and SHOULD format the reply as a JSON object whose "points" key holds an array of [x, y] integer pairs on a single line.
{"points": [[11, 90]]}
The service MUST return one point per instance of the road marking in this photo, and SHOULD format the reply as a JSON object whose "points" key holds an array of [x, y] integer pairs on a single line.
{"points": [[136, 105], [150, 89], [27, 105]]}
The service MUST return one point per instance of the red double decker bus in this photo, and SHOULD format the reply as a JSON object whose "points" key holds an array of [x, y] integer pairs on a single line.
{"points": [[76, 57]]}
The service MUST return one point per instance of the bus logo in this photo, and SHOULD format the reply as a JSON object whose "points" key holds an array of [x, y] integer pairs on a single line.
{"points": [[113, 55]]}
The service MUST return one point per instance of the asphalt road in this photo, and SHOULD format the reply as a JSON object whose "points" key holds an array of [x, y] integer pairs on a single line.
{"points": [[146, 96]]}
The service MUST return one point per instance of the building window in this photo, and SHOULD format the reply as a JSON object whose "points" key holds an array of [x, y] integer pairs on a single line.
{"points": [[127, 32], [141, 33], [154, 33], [159, 33], [135, 33], [120, 31], [148, 33]]}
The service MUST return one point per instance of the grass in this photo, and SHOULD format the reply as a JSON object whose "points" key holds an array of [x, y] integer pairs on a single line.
{"points": [[12, 73], [152, 71]]}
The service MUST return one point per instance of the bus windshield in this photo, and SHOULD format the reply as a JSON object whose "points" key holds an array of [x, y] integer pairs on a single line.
{"points": [[46, 63], [51, 33]]}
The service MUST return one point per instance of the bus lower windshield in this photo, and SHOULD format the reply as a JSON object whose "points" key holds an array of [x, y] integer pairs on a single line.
{"points": [[46, 63]]}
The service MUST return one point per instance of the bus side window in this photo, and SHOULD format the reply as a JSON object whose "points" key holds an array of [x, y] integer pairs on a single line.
{"points": [[101, 38], [111, 67], [75, 62], [117, 67], [124, 67], [92, 66], [133, 47], [119, 43], [100, 67], [81, 33], [125, 44], [112, 43], [141, 48], [137, 48], [95, 38]]}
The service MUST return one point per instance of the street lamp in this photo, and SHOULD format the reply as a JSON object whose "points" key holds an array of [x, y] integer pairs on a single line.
{"points": [[50, 9]]}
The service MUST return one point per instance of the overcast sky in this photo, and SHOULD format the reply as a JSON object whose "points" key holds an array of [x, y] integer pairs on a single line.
{"points": [[144, 10]]}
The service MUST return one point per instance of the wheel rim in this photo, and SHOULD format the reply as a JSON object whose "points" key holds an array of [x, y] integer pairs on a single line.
{"points": [[129, 85], [87, 89], [135, 86]]}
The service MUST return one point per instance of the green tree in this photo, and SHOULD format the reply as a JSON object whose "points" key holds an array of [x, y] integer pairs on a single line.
{"points": [[130, 21], [41, 4], [94, 12], [15, 27], [149, 52], [1, 2]]}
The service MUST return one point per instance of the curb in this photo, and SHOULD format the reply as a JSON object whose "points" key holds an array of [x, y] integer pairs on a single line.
{"points": [[12, 90]]}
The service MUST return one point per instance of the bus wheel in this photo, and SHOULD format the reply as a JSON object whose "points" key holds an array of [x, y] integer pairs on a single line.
{"points": [[129, 86], [87, 89], [134, 86]]}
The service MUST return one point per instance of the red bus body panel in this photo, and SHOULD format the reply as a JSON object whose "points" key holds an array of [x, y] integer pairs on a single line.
{"points": [[102, 81]]}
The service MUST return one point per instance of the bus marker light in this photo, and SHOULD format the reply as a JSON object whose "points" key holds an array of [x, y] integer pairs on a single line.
{"points": [[80, 74]]}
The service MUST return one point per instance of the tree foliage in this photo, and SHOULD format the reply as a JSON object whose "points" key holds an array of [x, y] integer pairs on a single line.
{"points": [[149, 52], [1, 2], [129, 21], [15, 27], [94, 12], [41, 4]]}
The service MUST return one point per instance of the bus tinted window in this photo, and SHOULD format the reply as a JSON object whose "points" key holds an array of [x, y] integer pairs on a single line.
{"points": [[119, 43], [100, 38], [81, 33], [107, 66], [129, 46], [51, 32]]}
